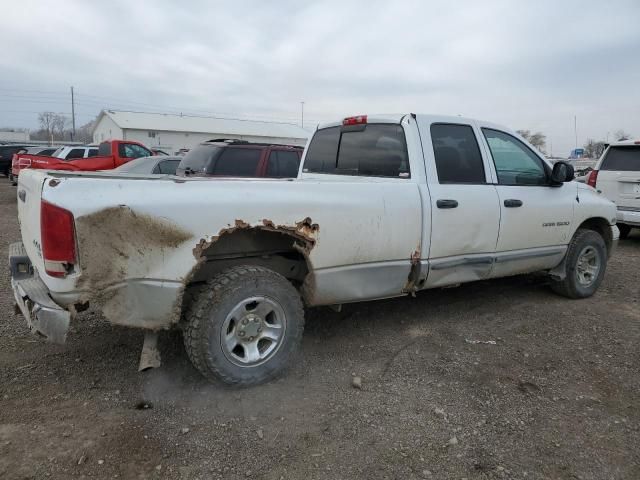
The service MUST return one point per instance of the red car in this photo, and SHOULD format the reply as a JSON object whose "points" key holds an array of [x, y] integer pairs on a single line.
{"points": [[111, 154]]}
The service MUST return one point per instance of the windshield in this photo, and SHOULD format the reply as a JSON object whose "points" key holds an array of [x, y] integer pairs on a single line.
{"points": [[622, 159]]}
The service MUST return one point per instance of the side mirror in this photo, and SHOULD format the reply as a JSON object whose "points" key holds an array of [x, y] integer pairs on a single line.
{"points": [[562, 172]]}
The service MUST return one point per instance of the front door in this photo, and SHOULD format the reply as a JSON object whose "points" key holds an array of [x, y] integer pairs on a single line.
{"points": [[463, 204], [535, 218]]}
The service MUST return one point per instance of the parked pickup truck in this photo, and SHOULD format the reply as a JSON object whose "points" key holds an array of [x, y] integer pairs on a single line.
{"points": [[108, 155], [381, 207]]}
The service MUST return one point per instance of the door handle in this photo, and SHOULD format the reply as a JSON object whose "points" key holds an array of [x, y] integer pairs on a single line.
{"points": [[512, 203], [447, 203]]}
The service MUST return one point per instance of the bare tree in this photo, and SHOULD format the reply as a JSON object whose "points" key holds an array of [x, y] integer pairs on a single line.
{"points": [[53, 124], [538, 139], [46, 121], [593, 148], [620, 135]]}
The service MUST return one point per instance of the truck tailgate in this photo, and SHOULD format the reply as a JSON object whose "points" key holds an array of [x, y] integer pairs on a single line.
{"points": [[30, 184]]}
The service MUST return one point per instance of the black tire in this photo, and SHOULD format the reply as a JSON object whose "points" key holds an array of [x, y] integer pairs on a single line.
{"points": [[625, 230], [212, 315], [584, 242]]}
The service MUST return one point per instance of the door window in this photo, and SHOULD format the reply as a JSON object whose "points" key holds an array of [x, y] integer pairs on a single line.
{"points": [[283, 164], [515, 163], [237, 162], [75, 153], [167, 167], [129, 150], [457, 155]]}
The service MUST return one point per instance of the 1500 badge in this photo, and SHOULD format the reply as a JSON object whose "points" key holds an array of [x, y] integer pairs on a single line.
{"points": [[556, 224]]}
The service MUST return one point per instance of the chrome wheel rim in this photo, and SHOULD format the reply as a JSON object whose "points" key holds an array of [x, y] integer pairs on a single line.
{"points": [[588, 266], [253, 331]]}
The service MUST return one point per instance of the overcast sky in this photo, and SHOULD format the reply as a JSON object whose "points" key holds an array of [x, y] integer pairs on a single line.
{"points": [[529, 66]]}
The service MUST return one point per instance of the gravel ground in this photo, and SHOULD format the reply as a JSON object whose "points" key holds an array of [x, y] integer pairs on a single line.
{"points": [[556, 396]]}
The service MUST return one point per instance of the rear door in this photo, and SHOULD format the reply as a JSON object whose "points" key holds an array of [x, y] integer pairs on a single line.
{"points": [[619, 176], [465, 215]]}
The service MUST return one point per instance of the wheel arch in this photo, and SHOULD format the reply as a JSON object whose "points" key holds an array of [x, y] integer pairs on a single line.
{"points": [[601, 226], [283, 249]]}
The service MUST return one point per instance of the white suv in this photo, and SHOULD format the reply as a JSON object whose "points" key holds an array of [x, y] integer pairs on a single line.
{"points": [[617, 176]]}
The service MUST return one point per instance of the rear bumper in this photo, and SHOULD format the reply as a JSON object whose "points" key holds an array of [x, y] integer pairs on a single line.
{"points": [[42, 314], [629, 217]]}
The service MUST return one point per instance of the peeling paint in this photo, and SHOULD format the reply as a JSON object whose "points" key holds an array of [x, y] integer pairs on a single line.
{"points": [[305, 231], [117, 244], [414, 274]]}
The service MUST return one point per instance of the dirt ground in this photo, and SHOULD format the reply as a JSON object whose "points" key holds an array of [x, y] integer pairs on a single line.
{"points": [[557, 396]]}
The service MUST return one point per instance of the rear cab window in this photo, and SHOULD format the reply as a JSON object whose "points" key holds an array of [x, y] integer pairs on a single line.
{"points": [[371, 150], [622, 159]]}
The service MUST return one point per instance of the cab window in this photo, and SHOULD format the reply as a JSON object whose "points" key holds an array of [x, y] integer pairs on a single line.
{"points": [[371, 150], [129, 150], [457, 155], [515, 163]]}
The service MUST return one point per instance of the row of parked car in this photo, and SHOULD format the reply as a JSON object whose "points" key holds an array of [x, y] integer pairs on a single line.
{"points": [[217, 157]]}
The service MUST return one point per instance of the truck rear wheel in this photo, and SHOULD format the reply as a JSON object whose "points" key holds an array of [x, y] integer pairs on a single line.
{"points": [[585, 264], [244, 326]]}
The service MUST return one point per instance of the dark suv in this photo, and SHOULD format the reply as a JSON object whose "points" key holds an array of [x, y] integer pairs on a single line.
{"points": [[239, 158], [6, 154]]}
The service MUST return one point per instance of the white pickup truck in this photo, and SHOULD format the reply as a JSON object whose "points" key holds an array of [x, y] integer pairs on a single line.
{"points": [[382, 207]]}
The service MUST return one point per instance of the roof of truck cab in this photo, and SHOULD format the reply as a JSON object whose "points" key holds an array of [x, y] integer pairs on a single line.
{"points": [[431, 117], [625, 143]]}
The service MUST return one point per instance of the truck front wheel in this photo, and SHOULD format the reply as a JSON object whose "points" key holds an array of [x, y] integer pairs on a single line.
{"points": [[585, 264], [244, 326]]}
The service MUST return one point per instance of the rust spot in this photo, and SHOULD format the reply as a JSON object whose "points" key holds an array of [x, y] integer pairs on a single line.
{"points": [[305, 231], [414, 273]]}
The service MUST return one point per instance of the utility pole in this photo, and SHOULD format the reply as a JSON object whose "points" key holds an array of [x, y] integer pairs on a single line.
{"points": [[73, 116], [575, 128], [302, 111]]}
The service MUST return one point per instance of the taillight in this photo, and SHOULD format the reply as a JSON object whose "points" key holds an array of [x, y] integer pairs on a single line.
{"points": [[58, 239], [592, 178], [359, 120], [24, 162]]}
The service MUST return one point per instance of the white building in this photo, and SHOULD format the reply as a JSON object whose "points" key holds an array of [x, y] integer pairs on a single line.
{"points": [[170, 132], [15, 136]]}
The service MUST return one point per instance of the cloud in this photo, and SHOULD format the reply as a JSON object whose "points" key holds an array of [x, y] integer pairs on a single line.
{"points": [[530, 65]]}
